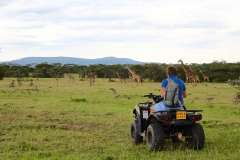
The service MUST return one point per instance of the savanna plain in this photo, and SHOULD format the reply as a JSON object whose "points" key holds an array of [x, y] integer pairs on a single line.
{"points": [[68, 119]]}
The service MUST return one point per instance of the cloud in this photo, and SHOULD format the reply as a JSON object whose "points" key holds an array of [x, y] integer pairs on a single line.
{"points": [[91, 28], [6, 2]]}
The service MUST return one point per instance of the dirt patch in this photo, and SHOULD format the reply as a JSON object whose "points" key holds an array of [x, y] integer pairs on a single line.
{"points": [[210, 99], [109, 114], [117, 95]]}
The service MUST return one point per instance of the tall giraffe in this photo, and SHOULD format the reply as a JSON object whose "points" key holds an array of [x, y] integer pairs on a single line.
{"points": [[205, 77], [194, 77], [190, 76], [92, 78], [187, 74], [198, 79], [135, 77], [121, 77], [69, 76]]}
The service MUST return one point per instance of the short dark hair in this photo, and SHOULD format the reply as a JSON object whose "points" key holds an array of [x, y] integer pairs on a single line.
{"points": [[171, 70]]}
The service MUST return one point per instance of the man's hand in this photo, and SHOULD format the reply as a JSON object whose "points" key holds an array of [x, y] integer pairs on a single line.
{"points": [[184, 94], [162, 92]]}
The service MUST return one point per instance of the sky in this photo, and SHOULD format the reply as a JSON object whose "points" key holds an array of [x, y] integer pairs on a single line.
{"points": [[197, 31]]}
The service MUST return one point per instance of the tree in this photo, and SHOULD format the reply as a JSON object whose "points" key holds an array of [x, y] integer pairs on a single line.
{"points": [[216, 71], [2, 72]]}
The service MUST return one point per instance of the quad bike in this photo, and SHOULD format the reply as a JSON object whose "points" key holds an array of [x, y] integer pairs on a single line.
{"points": [[180, 125]]}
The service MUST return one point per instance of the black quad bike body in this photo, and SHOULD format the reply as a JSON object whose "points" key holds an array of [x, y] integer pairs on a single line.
{"points": [[180, 125]]}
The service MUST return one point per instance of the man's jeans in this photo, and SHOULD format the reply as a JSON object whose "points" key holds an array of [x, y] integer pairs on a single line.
{"points": [[161, 106]]}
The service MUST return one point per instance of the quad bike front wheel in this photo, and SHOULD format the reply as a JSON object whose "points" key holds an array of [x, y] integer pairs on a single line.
{"points": [[135, 134], [155, 137], [196, 137]]}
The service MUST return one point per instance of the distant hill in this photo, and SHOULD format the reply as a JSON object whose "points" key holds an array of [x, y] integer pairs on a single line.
{"points": [[71, 60]]}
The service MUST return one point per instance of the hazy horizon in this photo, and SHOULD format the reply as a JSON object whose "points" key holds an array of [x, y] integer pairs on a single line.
{"points": [[160, 31], [168, 62], [120, 57]]}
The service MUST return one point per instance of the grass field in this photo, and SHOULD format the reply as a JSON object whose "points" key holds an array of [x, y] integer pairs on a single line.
{"points": [[71, 120]]}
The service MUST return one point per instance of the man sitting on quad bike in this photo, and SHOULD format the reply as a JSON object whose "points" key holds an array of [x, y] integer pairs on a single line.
{"points": [[173, 91], [166, 117]]}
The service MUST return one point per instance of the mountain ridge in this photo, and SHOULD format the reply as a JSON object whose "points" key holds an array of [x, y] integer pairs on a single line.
{"points": [[73, 60]]}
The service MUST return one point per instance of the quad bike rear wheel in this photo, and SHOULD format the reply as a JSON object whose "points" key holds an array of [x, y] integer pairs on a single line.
{"points": [[155, 137], [195, 137]]}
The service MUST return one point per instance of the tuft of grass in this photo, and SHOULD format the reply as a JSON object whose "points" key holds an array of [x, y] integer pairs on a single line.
{"points": [[78, 99]]}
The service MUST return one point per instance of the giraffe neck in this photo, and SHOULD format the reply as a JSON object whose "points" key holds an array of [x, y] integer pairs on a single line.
{"points": [[131, 71]]}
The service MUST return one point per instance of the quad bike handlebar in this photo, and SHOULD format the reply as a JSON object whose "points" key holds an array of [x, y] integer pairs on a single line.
{"points": [[155, 98]]}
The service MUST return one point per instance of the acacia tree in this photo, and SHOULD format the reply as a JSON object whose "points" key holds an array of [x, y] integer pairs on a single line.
{"points": [[1, 73]]}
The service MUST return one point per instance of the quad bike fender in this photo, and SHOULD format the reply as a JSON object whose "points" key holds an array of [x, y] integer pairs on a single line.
{"points": [[152, 118], [136, 110]]}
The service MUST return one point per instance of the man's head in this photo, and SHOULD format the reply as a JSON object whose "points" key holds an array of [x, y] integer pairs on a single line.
{"points": [[171, 71]]}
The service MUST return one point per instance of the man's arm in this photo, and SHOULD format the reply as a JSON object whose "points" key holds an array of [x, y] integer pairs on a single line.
{"points": [[163, 88], [162, 92], [184, 90]]}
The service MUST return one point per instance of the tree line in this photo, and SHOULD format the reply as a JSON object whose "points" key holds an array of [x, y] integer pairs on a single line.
{"points": [[217, 71]]}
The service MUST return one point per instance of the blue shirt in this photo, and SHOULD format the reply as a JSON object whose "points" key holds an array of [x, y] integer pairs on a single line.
{"points": [[182, 87]]}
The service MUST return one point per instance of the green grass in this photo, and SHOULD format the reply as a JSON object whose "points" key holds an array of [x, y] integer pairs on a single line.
{"points": [[75, 121]]}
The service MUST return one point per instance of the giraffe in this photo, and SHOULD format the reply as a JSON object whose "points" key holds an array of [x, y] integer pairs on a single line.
{"points": [[70, 76], [121, 77], [19, 81], [135, 77], [92, 78], [82, 75], [195, 77], [190, 76], [187, 73], [205, 77]]}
